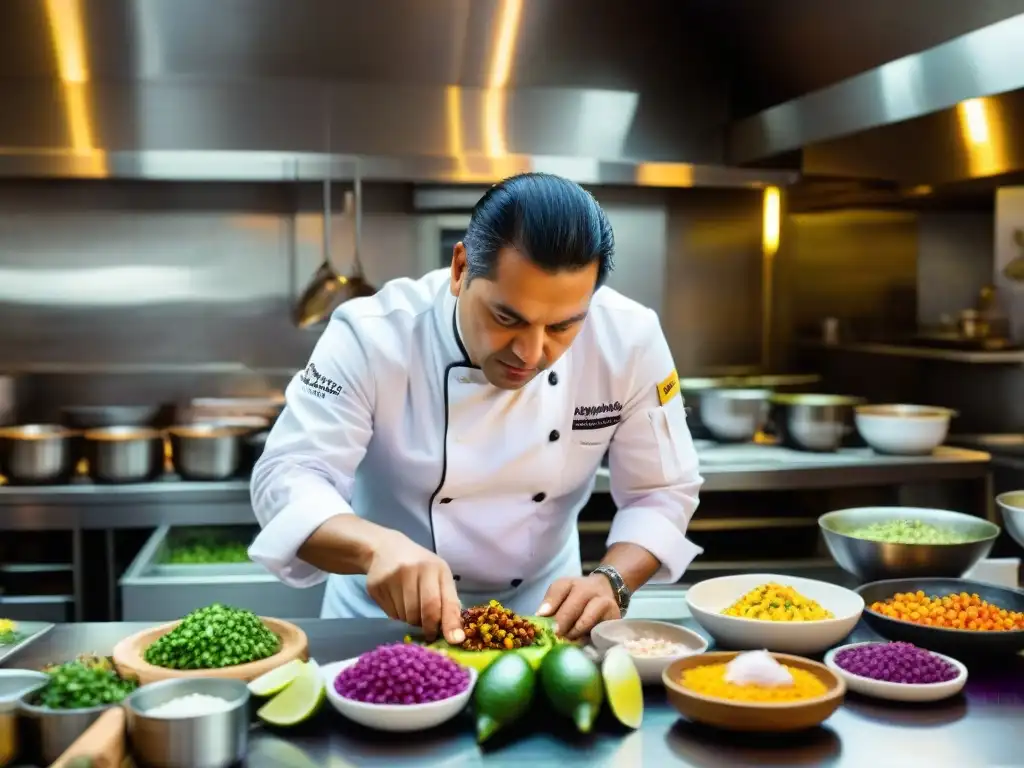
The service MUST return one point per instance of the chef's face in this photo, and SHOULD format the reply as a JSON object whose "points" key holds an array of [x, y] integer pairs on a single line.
{"points": [[521, 319]]}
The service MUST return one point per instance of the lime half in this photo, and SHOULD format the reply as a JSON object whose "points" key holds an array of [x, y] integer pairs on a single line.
{"points": [[623, 688], [299, 701], [276, 680]]}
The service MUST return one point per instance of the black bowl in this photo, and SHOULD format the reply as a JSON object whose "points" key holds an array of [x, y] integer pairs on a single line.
{"points": [[958, 643]]}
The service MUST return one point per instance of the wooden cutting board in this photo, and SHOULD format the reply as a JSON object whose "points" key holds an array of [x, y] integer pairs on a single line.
{"points": [[103, 742]]}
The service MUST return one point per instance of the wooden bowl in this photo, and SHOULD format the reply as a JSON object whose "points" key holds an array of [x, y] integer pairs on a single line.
{"points": [[753, 716], [129, 661], [103, 742]]}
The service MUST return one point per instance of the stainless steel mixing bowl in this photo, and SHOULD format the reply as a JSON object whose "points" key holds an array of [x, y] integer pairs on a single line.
{"points": [[1012, 506], [734, 415], [878, 560], [810, 422]]}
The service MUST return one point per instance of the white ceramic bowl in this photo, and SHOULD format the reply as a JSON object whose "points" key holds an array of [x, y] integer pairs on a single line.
{"points": [[611, 633], [881, 689], [908, 430], [1012, 505], [394, 717], [707, 599]]}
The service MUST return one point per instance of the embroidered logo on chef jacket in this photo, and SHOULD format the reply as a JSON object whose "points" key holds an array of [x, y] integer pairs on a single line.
{"points": [[668, 387], [318, 385], [597, 416]]}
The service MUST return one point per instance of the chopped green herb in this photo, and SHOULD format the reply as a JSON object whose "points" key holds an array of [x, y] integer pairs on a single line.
{"points": [[214, 637], [206, 550], [83, 683]]}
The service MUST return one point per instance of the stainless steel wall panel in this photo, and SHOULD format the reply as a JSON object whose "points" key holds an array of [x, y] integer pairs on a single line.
{"points": [[122, 291]]}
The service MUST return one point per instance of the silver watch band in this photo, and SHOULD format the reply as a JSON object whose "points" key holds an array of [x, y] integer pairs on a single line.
{"points": [[619, 588]]}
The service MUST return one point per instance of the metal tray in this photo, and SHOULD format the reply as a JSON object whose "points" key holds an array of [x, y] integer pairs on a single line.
{"points": [[166, 537], [30, 631], [151, 591]]}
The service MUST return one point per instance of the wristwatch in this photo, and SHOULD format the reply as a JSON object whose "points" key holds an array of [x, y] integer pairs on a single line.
{"points": [[619, 588]]}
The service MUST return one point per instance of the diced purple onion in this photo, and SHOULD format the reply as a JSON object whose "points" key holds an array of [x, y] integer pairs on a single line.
{"points": [[401, 673], [896, 663]]}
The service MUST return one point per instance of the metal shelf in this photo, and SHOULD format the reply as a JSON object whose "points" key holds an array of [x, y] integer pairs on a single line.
{"points": [[724, 524], [37, 568]]}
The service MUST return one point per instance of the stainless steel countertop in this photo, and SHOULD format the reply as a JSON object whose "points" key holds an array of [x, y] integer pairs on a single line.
{"points": [[978, 728]]}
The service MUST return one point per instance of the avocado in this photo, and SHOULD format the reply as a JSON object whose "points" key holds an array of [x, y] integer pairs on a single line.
{"points": [[503, 694], [481, 660], [572, 683]]}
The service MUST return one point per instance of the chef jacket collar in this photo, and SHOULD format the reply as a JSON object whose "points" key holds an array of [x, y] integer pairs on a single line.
{"points": [[448, 326]]}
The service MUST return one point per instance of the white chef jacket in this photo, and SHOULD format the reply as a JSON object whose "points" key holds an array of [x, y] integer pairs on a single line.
{"points": [[391, 421]]}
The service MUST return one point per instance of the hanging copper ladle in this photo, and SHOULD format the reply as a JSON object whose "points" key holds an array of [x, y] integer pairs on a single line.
{"points": [[329, 289]]}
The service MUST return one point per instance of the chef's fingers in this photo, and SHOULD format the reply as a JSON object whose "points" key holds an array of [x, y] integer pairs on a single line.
{"points": [[409, 603], [556, 593], [382, 596], [571, 609], [430, 603], [451, 610], [598, 609]]}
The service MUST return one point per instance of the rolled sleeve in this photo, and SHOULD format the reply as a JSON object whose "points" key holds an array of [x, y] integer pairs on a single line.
{"points": [[655, 477], [656, 532], [277, 545], [307, 471]]}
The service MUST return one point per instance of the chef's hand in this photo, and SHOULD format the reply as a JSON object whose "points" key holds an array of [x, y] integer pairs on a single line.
{"points": [[414, 585], [578, 604]]}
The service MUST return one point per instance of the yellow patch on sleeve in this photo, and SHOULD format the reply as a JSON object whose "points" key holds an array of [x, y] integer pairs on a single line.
{"points": [[668, 387]]}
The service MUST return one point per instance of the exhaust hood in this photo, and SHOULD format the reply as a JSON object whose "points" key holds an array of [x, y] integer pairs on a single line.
{"points": [[948, 115], [449, 92]]}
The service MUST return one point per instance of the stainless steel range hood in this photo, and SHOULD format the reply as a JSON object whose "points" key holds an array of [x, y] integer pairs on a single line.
{"points": [[949, 114], [450, 91]]}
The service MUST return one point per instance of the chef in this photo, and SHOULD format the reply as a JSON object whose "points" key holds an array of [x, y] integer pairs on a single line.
{"points": [[446, 432]]}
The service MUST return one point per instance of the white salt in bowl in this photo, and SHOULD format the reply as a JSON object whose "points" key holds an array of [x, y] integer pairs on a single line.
{"points": [[620, 631]]}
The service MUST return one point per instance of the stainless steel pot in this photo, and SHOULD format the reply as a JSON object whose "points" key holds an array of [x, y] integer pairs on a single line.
{"points": [[817, 423], [124, 454], [36, 454], [51, 731], [214, 740], [735, 415], [206, 451]]}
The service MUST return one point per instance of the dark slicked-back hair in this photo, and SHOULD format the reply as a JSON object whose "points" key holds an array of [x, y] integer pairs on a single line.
{"points": [[552, 221]]}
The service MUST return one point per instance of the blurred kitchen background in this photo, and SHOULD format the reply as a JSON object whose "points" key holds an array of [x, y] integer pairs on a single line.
{"points": [[817, 198]]}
